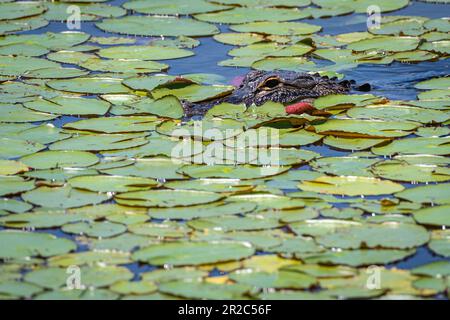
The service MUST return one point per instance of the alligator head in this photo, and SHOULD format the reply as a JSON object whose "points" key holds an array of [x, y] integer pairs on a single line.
{"points": [[285, 87]]}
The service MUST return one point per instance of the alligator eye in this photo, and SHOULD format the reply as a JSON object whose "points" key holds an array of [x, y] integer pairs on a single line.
{"points": [[271, 83]]}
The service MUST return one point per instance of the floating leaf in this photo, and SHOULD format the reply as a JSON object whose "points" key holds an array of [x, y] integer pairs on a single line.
{"points": [[167, 198], [9, 167], [68, 105], [394, 44], [433, 194], [104, 229], [243, 15], [115, 124], [192, 253], [157, 26], [204, 290], [357, 258], [435, 216], [202, 211], [386, 235], [100, 142], [278, 280], [277, 28], [351, 186], [60, 159], [431, 146], [63, 197], [26, 244], [365, 128], [95, 85], [17, 114], [14, 184], [440, 242], [401, 171], [101, 183]]}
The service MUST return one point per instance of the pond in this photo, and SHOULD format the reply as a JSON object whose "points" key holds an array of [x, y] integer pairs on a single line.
{"points": [[362, 191]]}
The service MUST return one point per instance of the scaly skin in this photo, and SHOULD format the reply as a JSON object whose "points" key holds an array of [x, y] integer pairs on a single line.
{"points": [[285, 87]]}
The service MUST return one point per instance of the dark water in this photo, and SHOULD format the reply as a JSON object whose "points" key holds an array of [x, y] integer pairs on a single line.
{"points": [[395, 81]]}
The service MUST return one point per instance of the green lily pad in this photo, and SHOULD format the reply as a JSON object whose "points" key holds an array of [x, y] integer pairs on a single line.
{"points": [[134, 287], [430, 146], [68, 105], [58, 11], [59, 175], [157, 168], [436, 83], [401, 171], [241, 38], [144, 53], [101, 183], [14, 184], [14, 206], [63, 197], [9, 167], [24, 24], [354, 144], [16, 290], [212, 129], [440, 242], [365, 128], [41, 219], [52, 41], [414, 56], [351, 186], [279, 280], [167, 230], [167, 107], [243, 15], [104, 229], [60, 159], [94, 85], [202, 211], [277, 28], [100, 142], [214, 185], [11, 11], [18, 114], [160, 276], [386, 43], [157, 26], [389, 235], [26, 244], [123, 65], [193, 92], [167, 198], [298, 64], [341, 101], [433, 194], [434, 216], [359, 257], [437, 269], [172, 7], [95, 276], [105, 258], [392, 113], [31, 50], [192, 253], [232, 172], [234, 223], [204, 290], [344, 166], [115, 124], [43, 134]]}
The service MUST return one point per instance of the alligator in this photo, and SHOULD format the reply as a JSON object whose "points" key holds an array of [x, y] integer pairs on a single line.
{"points": [[286, 87]]}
